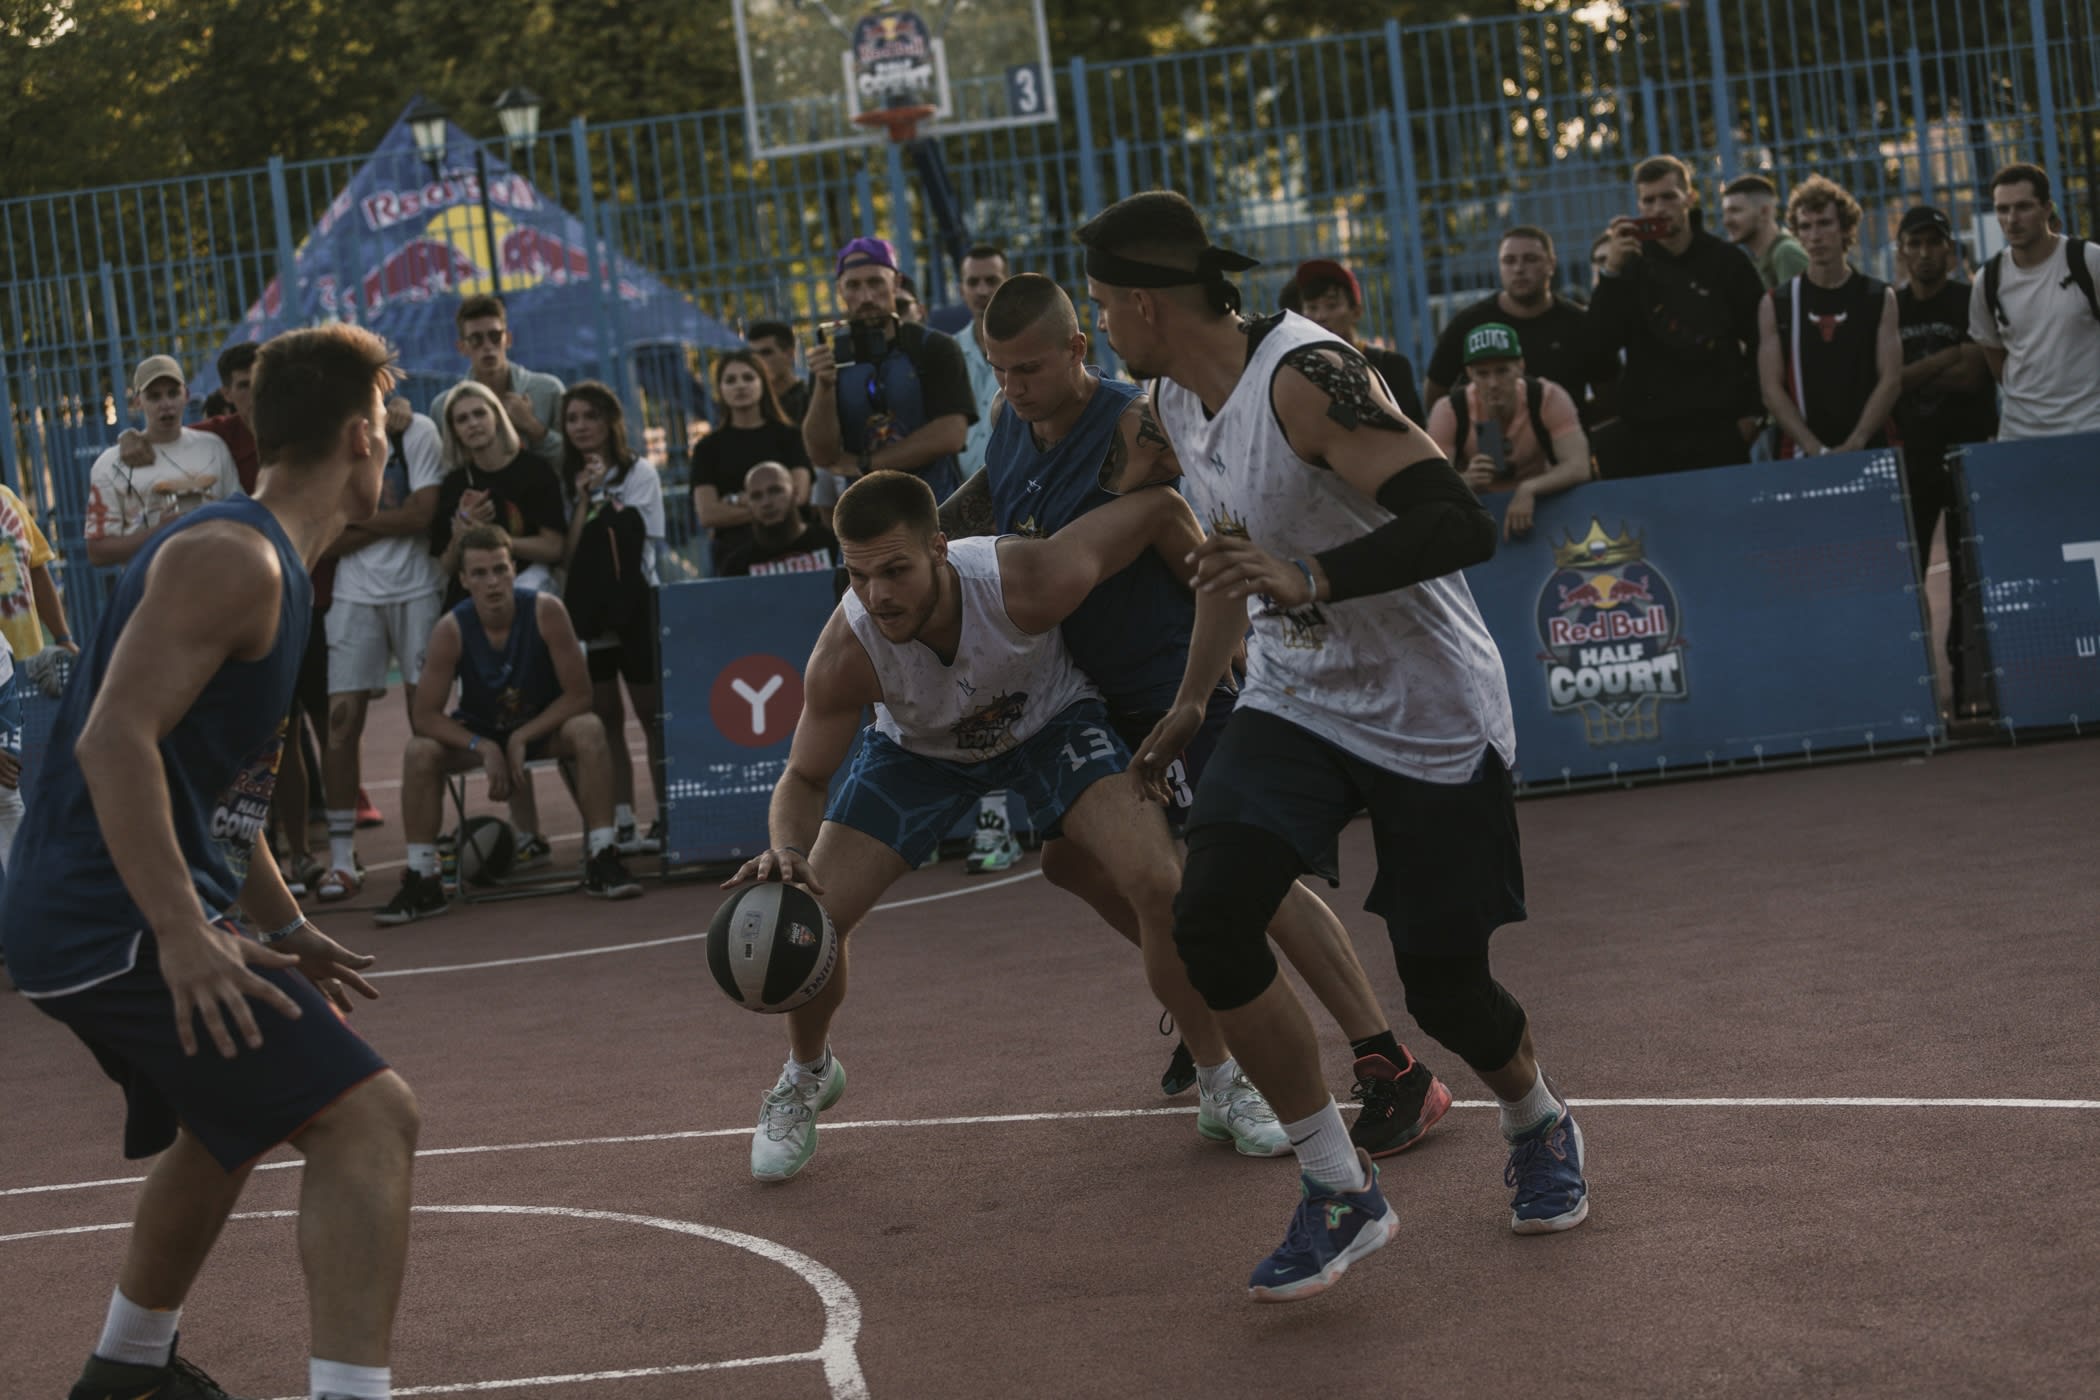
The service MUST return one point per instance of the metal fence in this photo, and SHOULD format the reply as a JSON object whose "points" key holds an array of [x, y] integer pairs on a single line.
{"points": [[1402, 150]]}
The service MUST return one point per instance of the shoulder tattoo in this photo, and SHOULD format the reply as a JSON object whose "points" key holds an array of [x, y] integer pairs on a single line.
{"points": [[1115, 461], [1149, 433], [968, 511], [1150, 463], [1346, 380]]}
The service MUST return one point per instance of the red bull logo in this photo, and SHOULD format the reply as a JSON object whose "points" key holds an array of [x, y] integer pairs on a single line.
{"points": [[1610, 623], [893, 59], [418, 270]]}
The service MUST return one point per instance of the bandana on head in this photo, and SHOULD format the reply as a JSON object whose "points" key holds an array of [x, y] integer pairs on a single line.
{"points": [[1212, 264]]}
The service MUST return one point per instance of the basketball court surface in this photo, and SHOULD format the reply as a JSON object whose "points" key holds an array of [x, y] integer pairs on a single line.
{"points": [[1829, 1033]]}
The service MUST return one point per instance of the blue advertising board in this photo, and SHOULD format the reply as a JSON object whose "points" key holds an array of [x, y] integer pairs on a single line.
{"points": [[1747, 614], [2034, 513]]}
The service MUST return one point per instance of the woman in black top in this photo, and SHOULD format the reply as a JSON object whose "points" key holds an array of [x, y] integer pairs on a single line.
{"points": [[491, 480], [752, 429]]}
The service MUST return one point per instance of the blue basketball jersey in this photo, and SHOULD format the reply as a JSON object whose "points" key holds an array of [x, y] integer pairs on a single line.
{"points": [[1131, 635], [68, 921], [502, 690]]}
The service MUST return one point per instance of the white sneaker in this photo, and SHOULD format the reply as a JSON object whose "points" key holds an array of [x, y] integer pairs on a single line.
{"points": [[1242, 1117], [786, 1136]]}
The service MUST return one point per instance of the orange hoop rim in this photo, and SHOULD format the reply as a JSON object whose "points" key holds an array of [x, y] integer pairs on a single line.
{"points": [[903, 122]]}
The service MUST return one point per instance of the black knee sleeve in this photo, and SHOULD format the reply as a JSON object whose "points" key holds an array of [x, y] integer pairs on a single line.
{"points": [[1458, 1004], [1235, 879]]}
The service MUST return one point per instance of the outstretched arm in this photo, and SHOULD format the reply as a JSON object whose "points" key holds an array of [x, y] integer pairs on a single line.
{"points": [[1046, 580], [969, 510]]}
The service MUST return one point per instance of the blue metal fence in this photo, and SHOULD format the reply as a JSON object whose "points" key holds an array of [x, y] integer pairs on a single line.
{"points": [[1403, 150]]}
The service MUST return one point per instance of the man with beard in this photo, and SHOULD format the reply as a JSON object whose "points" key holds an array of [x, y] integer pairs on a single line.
{"points": [[780, 541]]}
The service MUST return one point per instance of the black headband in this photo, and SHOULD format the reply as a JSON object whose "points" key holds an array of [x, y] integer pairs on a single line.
{"points": [[1211, 266]]}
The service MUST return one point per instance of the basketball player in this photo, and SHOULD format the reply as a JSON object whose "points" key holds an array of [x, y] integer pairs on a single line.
{"points": [[1065, 441], [957, 646], [1339, 529], [150, 803]]}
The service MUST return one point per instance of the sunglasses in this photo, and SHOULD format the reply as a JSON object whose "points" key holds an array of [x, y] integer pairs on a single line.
{"points": [[477, 339]]}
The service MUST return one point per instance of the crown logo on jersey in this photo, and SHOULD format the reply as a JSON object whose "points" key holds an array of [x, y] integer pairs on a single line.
{"points": [[1223, 522], [1598, 550]]}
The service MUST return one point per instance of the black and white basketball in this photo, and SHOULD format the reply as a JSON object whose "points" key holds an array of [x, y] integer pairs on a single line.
{"points": [[487, 846], [772, 947]]}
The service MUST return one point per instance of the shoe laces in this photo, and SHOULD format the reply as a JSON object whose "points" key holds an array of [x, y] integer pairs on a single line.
{"points": [[1376, 1093], [1242, 1100], [1305, 1227], [786, 1107], [1534, 1162], [193, 1373]]}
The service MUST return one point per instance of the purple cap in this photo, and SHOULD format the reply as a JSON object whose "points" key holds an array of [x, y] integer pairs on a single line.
{"points": [[863, 251]]}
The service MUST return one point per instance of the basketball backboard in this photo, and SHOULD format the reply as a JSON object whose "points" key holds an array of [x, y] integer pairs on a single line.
{"points": [[818, 72]]}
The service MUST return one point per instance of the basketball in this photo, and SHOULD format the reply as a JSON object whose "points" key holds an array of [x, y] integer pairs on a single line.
{"points": [[486, 849], [771, 947]]}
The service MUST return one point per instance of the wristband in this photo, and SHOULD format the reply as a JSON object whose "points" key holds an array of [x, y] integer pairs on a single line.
{"points": [[1312, 585], [796, 849], [473, 742], [279, 935]]}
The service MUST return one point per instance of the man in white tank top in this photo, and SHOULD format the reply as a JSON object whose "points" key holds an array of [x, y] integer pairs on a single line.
{"points": [[1337, 531], [957, 647]]}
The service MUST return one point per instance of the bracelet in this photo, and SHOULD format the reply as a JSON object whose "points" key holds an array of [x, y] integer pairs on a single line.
{"points": [[279, 935], [796, 849], [473, 742], [1312, 585]]}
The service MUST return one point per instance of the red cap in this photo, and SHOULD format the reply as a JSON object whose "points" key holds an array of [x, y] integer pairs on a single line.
{"points": [[1328, 270]]}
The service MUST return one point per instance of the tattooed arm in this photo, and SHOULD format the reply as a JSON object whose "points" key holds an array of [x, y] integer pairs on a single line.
{"points": [[969, 511], [1338, 415], [1139, 455]]}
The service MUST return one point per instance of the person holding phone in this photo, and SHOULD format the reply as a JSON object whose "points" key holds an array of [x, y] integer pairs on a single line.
{"points": [[1682, 305], [1512, 432]]}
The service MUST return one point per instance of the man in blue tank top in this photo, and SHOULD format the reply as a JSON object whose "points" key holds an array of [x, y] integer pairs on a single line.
{"points": [[1065, 441], [524, 694], [142, 888]]}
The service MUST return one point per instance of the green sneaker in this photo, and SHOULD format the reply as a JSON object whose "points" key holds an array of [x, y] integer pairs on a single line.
{"points": [[786, 1136]]}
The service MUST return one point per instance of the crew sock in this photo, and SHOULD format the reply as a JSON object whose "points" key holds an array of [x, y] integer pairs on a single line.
{"points": [[338, 1380], [1324, 1151], [137, 1336], [423, 857], [1532, 1112], [1384, 1044], [342, 838], [599, 838]]}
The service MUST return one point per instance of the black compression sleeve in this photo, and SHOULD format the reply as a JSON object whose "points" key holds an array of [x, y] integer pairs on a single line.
{"points": [[1438, 527]]}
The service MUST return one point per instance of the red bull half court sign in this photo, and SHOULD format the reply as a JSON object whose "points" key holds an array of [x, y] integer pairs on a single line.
{"points": [[1613, 635]]}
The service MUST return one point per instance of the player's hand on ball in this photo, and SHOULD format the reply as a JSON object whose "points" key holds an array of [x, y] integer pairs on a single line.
{"points": [[781, 863], [1161, 747], [496, 763], [1240, 568], [332, 968], [207, 972]]}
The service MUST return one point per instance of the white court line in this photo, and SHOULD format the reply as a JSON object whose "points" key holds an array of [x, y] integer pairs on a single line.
{"points": [[1083, 1114], [675, 938], [835, 1351]]}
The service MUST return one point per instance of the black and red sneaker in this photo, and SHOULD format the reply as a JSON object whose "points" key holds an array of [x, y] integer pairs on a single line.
{"points": [[1398, 1105]]}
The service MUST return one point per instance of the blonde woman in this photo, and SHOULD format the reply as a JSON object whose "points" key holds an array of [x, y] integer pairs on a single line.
{"points": [[490, 479]]}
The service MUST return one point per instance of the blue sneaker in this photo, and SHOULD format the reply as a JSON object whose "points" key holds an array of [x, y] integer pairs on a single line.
{"points": [[1329, 1231], [1546, 1171]]}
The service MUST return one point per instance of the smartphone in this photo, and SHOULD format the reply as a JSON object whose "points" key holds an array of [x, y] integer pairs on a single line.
{"points": [[1488, 441], [1652, 229], [839, 335]]}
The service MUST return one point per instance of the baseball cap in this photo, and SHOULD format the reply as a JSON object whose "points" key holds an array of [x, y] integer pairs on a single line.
{"points": [[1925, 216], [1328, 270], [156, 367], [863, 251], [1492, 340]]}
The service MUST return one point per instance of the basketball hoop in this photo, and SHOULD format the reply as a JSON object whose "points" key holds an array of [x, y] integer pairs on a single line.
{"points": [[903, 122]]}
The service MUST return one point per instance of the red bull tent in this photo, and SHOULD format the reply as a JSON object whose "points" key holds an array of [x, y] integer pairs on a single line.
{"points": [[397, 249]]}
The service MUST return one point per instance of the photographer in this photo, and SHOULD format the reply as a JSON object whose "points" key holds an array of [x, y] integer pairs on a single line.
{"points": [[885, 395], [1683, 306]]}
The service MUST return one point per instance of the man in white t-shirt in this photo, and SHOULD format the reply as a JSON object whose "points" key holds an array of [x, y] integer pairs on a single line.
{"points": [[387, 595], [2041, 335], [190, 469]]}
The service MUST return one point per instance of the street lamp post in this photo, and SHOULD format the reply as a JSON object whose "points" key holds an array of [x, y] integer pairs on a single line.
{"points": [[518, 110]]}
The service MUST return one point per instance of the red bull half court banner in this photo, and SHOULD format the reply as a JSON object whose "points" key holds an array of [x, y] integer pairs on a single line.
{"points": [[1709, 620], [2034, 537]]}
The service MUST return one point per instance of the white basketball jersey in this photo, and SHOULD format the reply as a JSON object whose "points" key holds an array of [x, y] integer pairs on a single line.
{"points": [[1408, 680], [1003, 686]]}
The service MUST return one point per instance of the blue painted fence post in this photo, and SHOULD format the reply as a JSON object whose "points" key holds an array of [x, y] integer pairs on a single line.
{"points": [[1724, 109], [281, 218], [1090, 201], [900, 209], [1917, 121], [118, 379], [1408, 238], [599, 267], [2045, 94]]}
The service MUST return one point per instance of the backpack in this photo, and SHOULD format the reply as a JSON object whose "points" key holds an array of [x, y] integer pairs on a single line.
{"points": [[1534, 399], [2081, 273], [606, 587]]}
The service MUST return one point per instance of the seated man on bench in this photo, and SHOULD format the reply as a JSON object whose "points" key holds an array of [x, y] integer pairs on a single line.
{"points": [[524, 694]]}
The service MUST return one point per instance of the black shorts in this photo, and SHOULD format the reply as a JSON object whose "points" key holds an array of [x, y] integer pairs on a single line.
{"points": [[534, 751], [238, 1108], [310, 695], [631, 656], [1450, 871], [1183, 775]]}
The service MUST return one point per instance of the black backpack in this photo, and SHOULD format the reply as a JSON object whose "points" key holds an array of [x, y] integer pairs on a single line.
{"points": [[1534, 399], [2081, 273], [606, 588]]}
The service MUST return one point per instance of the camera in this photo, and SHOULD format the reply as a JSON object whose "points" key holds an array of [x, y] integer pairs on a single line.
{"points": [[854, 342], [1654, 228]]}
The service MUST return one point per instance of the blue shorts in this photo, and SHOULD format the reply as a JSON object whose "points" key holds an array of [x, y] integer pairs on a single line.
{"points": [[909, 802], [238, 1108], [1135, 726]]}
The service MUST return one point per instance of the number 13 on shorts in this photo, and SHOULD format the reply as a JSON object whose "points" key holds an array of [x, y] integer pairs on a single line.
{"points": [[1099, 746]]}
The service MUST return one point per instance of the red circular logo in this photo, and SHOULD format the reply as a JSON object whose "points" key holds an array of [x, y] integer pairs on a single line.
{"points": [[756, 701]]}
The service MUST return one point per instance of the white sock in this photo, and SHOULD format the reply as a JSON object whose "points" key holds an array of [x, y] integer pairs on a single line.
{"points": [[809, 1069], [137, 1336], [600, 837], [1324, 1151], [623, 814], [423, 857], [342, 838], [337, 1380], [1528, 1113], [1214, 1080]]}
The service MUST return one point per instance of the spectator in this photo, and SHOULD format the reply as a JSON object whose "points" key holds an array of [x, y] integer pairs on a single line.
{"points": [[531, 400], [780, 541], [774, 344], [1947, 400], [29, 596], [1683, 307], [1514, 432], [385, 599], [189, 469], [1332, 297], [1600, 257], [2036, 314], [491, 479], [1750, 218], [228, 421], [1830, 352], [752, 429], [1554, 331], [616, 529], [904, 403], [524, 694], [983, 269]]}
